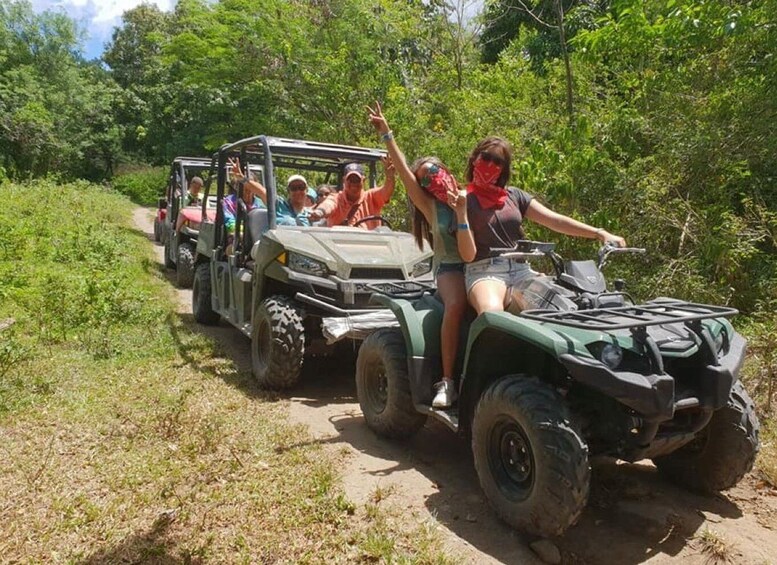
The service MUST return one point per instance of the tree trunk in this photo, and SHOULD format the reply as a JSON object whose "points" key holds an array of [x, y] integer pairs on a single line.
{"points": [[567, 65]]}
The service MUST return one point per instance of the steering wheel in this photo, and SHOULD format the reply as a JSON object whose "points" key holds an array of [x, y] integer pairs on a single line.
{"points": [[383, 220]]}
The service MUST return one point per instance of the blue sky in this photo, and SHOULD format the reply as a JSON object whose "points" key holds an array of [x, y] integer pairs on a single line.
{"points": [[96, 17]]}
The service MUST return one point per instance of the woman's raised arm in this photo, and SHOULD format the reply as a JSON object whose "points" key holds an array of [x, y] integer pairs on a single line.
{"points": [[417, 196]]}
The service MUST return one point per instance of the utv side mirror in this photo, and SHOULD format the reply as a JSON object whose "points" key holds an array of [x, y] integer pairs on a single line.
{"points": [[619, 284], [161, 203]]}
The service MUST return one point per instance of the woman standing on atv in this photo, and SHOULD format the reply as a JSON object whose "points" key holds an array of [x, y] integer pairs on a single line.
{"points": [[496, 213], [440, 217]]}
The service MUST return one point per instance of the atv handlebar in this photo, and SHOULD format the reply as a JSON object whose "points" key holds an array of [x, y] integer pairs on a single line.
{"points": [[608, 249], [527, 249]]}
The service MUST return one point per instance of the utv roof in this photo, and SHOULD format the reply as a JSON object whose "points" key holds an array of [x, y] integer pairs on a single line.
{"points": [[301, 154], [192, 161]]}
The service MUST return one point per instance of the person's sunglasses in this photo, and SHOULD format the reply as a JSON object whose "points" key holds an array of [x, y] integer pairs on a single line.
{"points": [[296, 187], [491, 158], [431, 171], [353, 179]]}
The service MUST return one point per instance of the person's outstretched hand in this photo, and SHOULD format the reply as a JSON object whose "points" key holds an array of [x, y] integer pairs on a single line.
{"points": [[234, 169], [377, 119], [388, 166]]}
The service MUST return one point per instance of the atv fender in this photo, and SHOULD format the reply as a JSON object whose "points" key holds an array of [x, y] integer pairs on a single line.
{"points": [[501, 344], [420, 322]]}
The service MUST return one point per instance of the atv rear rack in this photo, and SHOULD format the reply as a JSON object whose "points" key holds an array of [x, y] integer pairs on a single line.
{"points": [[627, 317]]}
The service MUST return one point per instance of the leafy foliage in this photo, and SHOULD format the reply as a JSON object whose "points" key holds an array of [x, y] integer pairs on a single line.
{"points": [[55, 109], [671, 141], [143, 185]]}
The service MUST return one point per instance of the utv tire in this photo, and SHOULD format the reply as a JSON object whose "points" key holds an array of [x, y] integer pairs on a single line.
{"points": [[202, 307], [383, 386], [168, 262], [723, 451], [277, 343], [530, 457], [184, 275]]}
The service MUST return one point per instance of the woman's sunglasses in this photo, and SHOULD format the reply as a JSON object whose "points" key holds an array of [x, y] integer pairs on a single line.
{"points": [[491, 158], [431, 171]]}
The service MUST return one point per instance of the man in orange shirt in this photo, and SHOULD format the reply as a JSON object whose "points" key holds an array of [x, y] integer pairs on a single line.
{"points": [[352, 203]]}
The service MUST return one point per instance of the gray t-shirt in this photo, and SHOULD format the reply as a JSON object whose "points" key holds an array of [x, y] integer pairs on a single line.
{"points": [[492, 227]]}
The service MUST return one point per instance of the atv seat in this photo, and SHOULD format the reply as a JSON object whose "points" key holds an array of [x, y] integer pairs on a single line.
{"points": [[256, 224]]}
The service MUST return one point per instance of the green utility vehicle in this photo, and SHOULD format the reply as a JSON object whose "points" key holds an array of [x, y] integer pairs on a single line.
{"points": [[591, 373], [276, 283]]}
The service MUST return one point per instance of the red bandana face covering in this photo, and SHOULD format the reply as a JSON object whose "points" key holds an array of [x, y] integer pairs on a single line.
{"points": [[439, 183], [484, 177]]}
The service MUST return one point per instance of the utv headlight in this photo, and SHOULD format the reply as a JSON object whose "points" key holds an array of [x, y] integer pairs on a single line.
{"points": [[611, 355], [422, 267], [304, 264]]}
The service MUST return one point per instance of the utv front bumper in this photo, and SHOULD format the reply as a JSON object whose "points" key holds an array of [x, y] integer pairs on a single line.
{"points": [[653, 397]]}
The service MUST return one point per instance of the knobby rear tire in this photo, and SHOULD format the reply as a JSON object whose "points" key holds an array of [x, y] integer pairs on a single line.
{"points": [[202, 307], [184, 274]]}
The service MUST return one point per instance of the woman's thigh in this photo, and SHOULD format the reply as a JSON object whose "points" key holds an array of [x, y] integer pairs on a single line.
{"points": [[488, 295], [452, 290]]}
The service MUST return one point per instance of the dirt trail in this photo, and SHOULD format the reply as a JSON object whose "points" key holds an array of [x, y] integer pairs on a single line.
{"points": [[633, 515]]}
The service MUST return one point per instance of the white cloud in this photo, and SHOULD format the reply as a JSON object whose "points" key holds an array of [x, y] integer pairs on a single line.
{"points": [[102, 11], [96, 17]]}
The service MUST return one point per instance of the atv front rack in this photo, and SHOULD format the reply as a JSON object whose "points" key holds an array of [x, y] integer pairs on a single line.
{"points": [[626, 317], [402, 289]]}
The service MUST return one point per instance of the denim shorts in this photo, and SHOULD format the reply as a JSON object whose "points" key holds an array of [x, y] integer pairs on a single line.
{"points": [[508, 271], [443, 268]]}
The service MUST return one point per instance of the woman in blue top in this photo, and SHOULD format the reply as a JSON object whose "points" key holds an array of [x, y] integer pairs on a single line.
{"points": [[440, 218], [291, 211]]}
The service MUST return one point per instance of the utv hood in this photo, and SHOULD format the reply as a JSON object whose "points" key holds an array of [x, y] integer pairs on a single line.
{"points": [[194, 216], [354, 252]]}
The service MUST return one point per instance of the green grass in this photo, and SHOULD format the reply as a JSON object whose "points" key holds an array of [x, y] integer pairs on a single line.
{"points": [[127, 437]]}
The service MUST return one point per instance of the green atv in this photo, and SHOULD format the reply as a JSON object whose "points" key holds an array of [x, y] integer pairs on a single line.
{"points": [[279, 283], [590, 373]]}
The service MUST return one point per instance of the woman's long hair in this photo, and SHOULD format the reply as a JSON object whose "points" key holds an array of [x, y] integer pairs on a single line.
{"points": [[421, 228], [497, 145]]}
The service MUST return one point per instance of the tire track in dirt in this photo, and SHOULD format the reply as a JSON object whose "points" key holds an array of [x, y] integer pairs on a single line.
{"points": [[633, 515]]}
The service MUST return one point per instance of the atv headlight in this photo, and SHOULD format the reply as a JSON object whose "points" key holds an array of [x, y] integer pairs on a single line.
{"points": [[422, 267], [611, 355], [304, 264]]}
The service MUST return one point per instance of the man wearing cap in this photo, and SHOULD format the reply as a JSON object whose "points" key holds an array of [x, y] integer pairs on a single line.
{"points": [[353, 203]]}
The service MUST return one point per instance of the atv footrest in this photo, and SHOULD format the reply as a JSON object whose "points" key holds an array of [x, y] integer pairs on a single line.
{"points": [[623, 317]]}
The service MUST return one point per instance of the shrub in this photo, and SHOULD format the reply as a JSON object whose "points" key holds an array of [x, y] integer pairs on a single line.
{"points": [[143, 186]]}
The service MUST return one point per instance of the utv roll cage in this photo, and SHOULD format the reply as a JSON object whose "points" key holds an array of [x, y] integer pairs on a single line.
{"points": [[278, 152]]}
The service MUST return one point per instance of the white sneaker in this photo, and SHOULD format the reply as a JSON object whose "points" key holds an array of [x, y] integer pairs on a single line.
{"points": [[445, 394]]}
